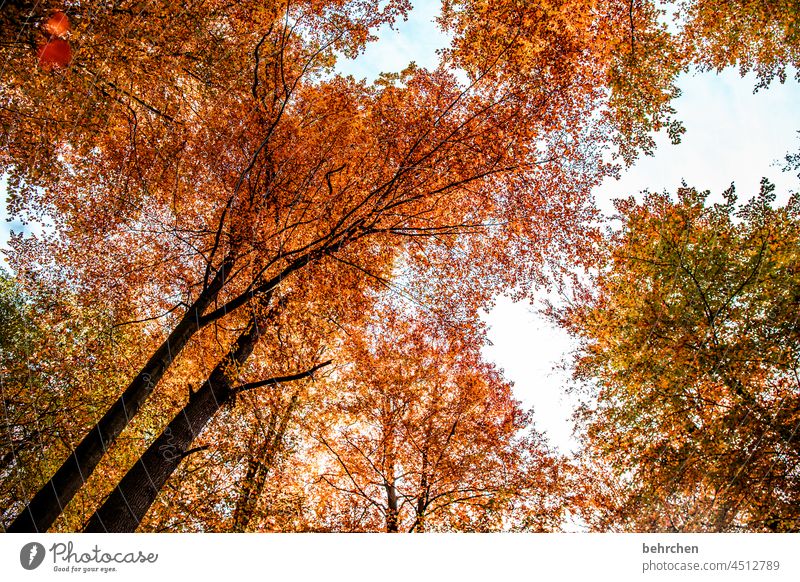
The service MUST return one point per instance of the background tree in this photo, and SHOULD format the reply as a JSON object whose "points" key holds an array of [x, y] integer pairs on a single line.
{"points": [[690, 347], [421, 435], [56, 367]]}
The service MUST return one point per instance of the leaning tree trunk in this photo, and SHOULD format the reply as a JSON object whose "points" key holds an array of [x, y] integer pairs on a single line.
{"points": [[50, 501], [124, 509]]}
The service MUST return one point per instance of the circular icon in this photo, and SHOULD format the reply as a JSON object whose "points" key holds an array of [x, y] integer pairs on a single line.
{"points": [[31, 555]]}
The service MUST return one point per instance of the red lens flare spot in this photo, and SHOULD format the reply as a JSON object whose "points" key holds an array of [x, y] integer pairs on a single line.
{"points": [[54, 54], [57, 24]]}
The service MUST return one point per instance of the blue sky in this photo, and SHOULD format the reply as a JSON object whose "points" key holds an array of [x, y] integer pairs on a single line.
{"points": [[733, 135]]}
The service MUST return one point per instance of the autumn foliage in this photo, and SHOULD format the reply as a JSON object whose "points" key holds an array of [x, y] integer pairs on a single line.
{"points": [[257, 304], [696, 408]]}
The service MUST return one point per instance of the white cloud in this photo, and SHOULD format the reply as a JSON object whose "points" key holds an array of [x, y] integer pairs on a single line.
{"points": [[530, 349]]}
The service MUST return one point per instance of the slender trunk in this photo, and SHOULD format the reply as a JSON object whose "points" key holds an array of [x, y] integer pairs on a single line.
{"points": [[424, 491], [241, 514], [242, 510], [124, 509], [389, 456], [392, 510], [258, 469], [391, 506], [50, 501]]}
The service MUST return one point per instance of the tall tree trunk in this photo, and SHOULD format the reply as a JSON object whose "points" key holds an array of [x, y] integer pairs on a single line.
{"points": [[244, 505], [50, 501], [124, 509]]}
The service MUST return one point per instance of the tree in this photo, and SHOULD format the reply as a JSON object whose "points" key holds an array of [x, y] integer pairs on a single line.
{"points": [[421, 435], [56, 365], [259, 465], [204, 159], [258, 184], [694, 376], [30, 409]]}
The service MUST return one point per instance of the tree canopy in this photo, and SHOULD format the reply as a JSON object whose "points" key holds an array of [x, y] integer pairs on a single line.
{"points": [[696, 373], [257, 273]]}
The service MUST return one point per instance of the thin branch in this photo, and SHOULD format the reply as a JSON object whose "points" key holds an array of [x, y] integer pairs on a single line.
{"points": [[146, 319], [279, 379], [194, 450]]}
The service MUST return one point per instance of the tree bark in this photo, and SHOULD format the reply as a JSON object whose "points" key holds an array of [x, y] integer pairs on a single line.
{"points": [[391, 507], [124, 509], [424, 490], [50, 501]]}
